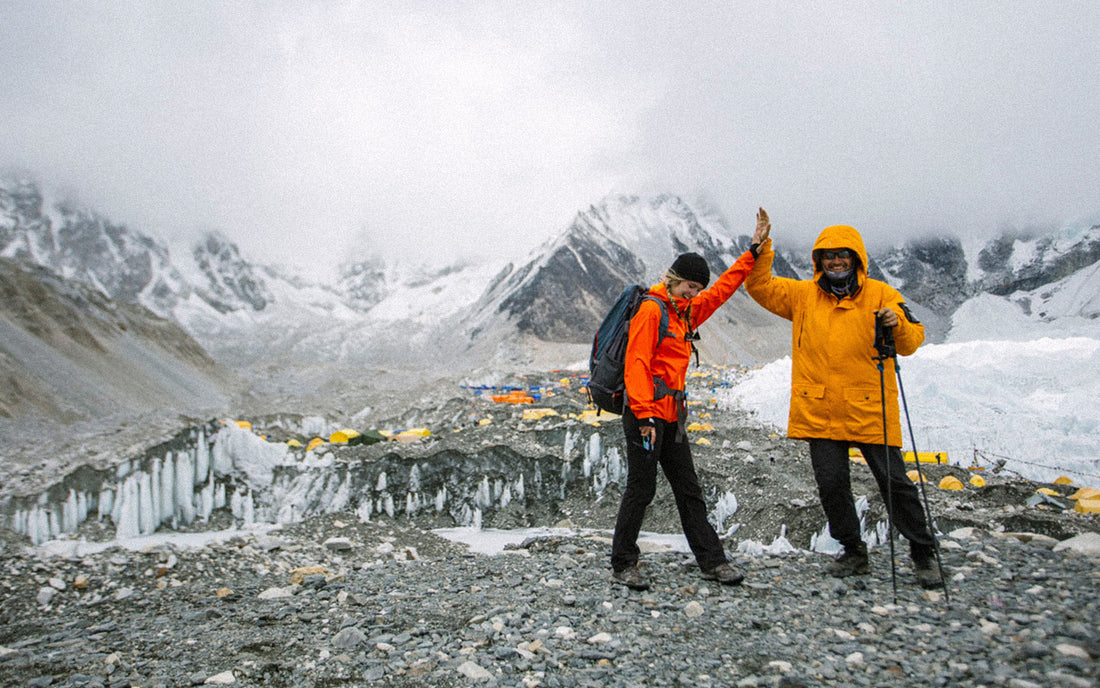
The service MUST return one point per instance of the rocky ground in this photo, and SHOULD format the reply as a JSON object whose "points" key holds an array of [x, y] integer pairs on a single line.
{"points": [[389, 605], [333, 601]]}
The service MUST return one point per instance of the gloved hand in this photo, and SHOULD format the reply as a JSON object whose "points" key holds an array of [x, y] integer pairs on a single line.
{"points": [[763, 230], [887, 317], [648, 428]]}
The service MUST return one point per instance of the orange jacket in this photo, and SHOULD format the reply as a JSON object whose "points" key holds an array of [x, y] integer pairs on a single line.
{"points": [[835, 389], [668, 359]]}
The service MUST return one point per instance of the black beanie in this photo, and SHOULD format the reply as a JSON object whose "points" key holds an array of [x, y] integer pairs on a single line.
{"points": [[692, 267]]}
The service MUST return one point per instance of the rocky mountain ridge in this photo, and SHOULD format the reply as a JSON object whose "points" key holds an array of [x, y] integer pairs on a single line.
{"points": [[69, 353], [563, 292], [540, 312], [937, 272]]}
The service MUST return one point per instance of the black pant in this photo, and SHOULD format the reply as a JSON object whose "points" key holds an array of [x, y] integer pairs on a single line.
{"points": [[641, 485], [832, 472]]}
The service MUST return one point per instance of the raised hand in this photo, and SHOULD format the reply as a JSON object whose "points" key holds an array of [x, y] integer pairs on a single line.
{"points": [[763, 227]]}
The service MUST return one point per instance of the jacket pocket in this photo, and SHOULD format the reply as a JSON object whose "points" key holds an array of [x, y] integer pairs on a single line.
{"points": [[809, 415], [809, 391], [864, 411]]}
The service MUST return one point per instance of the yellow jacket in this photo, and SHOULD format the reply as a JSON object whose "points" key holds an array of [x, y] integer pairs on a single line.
{"points": [[835, 388]]}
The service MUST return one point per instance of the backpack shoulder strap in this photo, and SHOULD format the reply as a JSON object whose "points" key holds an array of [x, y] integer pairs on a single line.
{"points": [[663, 330]]}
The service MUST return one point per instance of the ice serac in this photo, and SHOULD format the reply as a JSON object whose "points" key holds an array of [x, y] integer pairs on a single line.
{"points": [[823, 541], [139, 495], [219, 465]]}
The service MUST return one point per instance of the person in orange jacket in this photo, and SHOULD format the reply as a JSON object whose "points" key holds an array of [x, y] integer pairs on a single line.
{"points": [[655, 418], [836, 398]]}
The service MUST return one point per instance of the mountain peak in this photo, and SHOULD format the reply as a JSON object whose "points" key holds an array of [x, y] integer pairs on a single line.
{"points": [[232, 283]]}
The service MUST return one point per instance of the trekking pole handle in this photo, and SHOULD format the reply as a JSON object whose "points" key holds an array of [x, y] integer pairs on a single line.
{"points": [[884, 338]]}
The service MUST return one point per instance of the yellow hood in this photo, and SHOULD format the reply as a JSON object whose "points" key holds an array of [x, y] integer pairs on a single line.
{"points": [[837, 237]]}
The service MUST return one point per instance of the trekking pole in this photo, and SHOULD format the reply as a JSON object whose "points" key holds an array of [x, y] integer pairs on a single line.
{"points": [[920, 481], [884, 343]]}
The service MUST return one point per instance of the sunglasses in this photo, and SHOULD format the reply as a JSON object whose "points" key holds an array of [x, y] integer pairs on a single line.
{"points": [[842, 253]]}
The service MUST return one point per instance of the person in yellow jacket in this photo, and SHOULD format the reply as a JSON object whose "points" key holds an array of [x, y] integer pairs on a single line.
{"points": [[655, 370], [836, 399]]}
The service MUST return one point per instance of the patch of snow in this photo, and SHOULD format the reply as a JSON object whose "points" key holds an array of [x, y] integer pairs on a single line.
{"points": [[1023, 254], [1031, 402], [494, 541], [71, 549]]}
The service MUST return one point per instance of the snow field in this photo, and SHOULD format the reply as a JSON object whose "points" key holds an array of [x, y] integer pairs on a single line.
{"points": [[1032, 403]]}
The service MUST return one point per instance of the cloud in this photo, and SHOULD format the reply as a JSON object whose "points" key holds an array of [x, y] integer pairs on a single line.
{"points": [[308, 130]]}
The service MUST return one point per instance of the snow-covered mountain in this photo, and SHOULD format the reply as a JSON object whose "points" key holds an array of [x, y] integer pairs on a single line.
{"points": [[388, 315], [938, 273], [540, 311], [82, 245], [232, 282], [563, 291], [1025, 263]]}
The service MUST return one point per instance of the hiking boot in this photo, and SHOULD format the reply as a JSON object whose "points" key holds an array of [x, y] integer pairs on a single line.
{"points": [[631, 577], [724, 574], [927, 573], [851, 562]]}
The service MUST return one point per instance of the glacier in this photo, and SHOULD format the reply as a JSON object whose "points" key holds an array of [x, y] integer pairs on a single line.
{"points": [[221, 465]]}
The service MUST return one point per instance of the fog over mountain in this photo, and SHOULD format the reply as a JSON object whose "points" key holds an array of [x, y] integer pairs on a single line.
{"points": [[309, 132]]}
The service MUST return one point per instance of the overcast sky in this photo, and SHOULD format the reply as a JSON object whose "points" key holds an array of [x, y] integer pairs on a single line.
{"points": [[306, 130]]}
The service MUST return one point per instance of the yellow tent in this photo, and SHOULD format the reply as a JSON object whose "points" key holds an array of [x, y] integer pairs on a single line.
{"points": [[538, 413], [926, 457], [977, 481], [1087, 506], [1049, 492], [595, 417], [702, 440], [243, 424], [915, 476], [1086, 493], [342, 436], [411, 435], [700, 427], [1062, 480], [951, 483], [314, 443], [293, 443]]}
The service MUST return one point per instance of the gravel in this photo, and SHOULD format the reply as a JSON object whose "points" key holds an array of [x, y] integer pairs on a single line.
{"points": [[402, 607], [335, 601]]}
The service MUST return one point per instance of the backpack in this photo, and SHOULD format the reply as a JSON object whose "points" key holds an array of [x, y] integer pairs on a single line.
{"points": [[606, 364]]}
